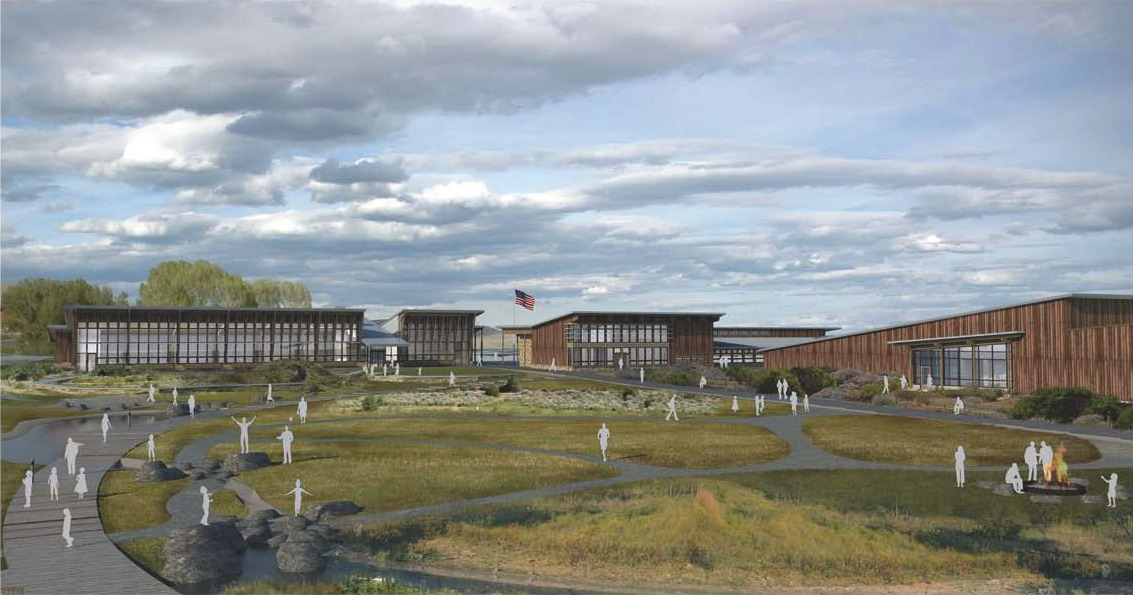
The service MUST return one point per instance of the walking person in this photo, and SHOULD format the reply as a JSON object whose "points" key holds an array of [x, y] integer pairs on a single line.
{"points": [[206, 500], [106, 427], [67, 527], [885, 384], [672, 414], [152, 392], [806, 403], [794, 403], [603, 440]]}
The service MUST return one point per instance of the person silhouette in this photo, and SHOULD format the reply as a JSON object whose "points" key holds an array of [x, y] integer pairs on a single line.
{"points": [[703, 381], [904, 382], [192, 405], [206, 500], [735, 404], [71, 454], [270, 398], [385, 370], [958, 406], [553, 365], [243, 423], [960, 457], [779, 388], [1031, 458], [53, 484], [1046, 456], [758, 405], [287, 437], [397, 369], [641, 375], [621, 364], [67, 527], [175, 395], [418, 370], [1111, 493], [794, 403], [884, 383], [27, 481], [1013, 479], [151, 448], [672, 409], [928, 382], [603, 440], [106, 427], [806, 403], [152, 391], [452, 379], [81, 482], [302, 410], [299, 491]]}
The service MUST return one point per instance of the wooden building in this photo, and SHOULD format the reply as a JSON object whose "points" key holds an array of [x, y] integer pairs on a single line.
{"points": [[1068, 340], [600, 339], [742, 344], [96, 336], [433, 337]]}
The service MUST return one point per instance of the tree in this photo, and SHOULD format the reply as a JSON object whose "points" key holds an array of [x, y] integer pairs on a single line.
{"points": [[200, 283], [280, 294], [32, 304]]}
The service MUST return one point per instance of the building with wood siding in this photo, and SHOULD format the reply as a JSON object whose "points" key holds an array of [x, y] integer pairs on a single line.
{"points": [[433, 337], [1067, 340], [742, 344], [600, 339]]}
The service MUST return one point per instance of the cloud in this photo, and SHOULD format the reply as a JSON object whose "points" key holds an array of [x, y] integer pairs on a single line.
{"points": [[27, 192], [148, 227], [363, 170]]}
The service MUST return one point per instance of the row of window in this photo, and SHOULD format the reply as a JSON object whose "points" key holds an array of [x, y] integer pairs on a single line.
{"points": [[618, 333], [738, 356], [609, 356], [987, 366]]}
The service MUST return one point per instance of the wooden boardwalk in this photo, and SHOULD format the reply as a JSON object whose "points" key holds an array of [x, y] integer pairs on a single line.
{"points": [[39, 562]]}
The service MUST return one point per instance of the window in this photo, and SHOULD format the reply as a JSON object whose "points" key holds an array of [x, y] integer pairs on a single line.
{"points": [[984, 366], [926, 362]]}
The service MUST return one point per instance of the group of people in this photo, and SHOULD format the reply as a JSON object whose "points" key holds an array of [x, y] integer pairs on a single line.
{"points": [[71, 456], [885, 383], [783, 386], [191, 402]]}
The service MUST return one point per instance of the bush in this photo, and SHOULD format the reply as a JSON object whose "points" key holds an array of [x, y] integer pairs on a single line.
{"points": [[762, 381], [1057, 404], [28, 371], [628, 393], [813, 378], [1090, 419], [885, 400], [492, 390], [867, 392], [1125, 420], [511, 386], [371, 402], [1106, 407]]}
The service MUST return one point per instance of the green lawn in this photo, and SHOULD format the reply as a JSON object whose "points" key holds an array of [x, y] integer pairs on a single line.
{"points": [[907, 440], [697, 445], [381, 476], [125, 505], [145, 552], [225, 502], [12, 412]]}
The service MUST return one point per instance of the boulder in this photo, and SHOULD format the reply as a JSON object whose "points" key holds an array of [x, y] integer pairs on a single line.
{"points": [[297, 557], [84, 406], [326, 531], [200, 554], [264, 515], [198, 474], [178, 410], [157, 471], [208, 464], [277, 541], [328, 510], [307, 537], [1003, 489], [256, 533], [239, 463], [287, 524]]}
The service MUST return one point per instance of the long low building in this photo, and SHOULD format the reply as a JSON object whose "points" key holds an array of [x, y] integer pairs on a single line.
{"points": [[1067, 340], [743, 344]]}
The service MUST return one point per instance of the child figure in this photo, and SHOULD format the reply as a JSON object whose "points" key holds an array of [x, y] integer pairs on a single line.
{"points": [[1111, 494], [735, 404]]}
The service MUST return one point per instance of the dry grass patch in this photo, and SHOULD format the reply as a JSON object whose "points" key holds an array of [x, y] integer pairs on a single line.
{"points": [[124, 505]]}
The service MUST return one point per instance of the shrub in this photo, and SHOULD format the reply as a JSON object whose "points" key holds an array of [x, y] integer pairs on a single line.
{"points": [[867, 392], [511, 386], [1090, 419], [371, 402], [1106, 407], [627, 393], [28, 371], [813, 378], [1057, 404], [492, 390], [1125, 420], [885, 400], [761, 380]]}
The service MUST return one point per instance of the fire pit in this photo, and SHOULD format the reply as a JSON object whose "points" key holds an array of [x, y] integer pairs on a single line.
{"points": [[1056, 478]]}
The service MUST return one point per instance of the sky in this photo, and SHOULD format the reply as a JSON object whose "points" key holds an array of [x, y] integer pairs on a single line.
{"points": [[804, 163]]}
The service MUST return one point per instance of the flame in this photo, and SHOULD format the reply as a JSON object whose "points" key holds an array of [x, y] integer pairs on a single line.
{"points": [[1059, 466]]}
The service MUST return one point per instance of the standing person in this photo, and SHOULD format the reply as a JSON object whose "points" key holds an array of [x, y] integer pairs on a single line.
{"points": [[1111, 494], [760, 403], [958, 407], [928, 382], [672, 409], [67, 527], [206, 500], [621, 364], [1031, 458], [192, 405], [641, 375], [603, 440], [243, 423], [152, 391], [794, 403], [960, 458], [106, 427], [451, 379], [151, 448], [175, 395], [779, 388], [71, 453], [418, 370], [806, 403], [287, 436], [1046, 456], [270, 399], [385, 369], [904, 382], [735, 404], [27, 481], [553, 368], [884, 384], [53, 484], [299, 491], [81, 482], [302, 410]]}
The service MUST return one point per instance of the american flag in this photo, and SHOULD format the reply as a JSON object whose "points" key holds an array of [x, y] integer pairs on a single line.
{"points": [[525, 300]]}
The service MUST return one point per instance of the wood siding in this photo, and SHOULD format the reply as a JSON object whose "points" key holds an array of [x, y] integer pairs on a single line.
{"points": [[548, 343], [747, 332], [1051, 352], [689, 336]]}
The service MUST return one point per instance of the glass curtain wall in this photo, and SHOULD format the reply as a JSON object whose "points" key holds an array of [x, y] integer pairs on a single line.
{"points": [[603, 344], [983, 366]]}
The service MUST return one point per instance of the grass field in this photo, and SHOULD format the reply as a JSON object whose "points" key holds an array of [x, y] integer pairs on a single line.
{"points": [[125, 505], [913, 441], [729, 534], [698, 445], [225, 502], [381, 476], [145, 552]]}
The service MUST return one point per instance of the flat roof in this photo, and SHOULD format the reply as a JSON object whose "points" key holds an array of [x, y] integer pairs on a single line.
{"points": [[431, 311], [960, 338], [211, 309], [1054, 298], [777, 328], [718, 315], [760, 343]]}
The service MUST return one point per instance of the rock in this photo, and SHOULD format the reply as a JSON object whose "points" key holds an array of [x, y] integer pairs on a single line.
{"points": [[68, 404], [105, 409], [199, 554], [307, 537], [1003, 489], [327, 510], [1092, 499], [326, 531], [123, 406], [157, 471], [184, 466], [299, 558], [178, 410], [239, 463], [287, 524], [198, 474], [228, 520], [84, 406], [264, 515], [208, 463], [277, 541], [256, 533], [1045, 499]]}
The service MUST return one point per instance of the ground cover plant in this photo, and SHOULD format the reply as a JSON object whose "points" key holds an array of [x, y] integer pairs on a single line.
{"points": [[1065, 405], [912, 441], [145, 552], [13, 411], [125, 505]]}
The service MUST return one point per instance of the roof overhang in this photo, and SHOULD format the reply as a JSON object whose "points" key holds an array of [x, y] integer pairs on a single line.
{"points": [[961, 339]]}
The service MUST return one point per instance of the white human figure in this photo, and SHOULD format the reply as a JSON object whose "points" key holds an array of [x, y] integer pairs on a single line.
{"points": [[735, 404], [621, 364], [1111, 494], [1031, 458], [703, 382], [418, 370], [53, 484], [960, 457], [385, 370], [672, 409], [299, 491], [206, 500], [243, 423], [779, 388], [603, 439], [958, 407], [302, 410], [397, 369], [151, 448], [175, 395], [553, 365], [106, 427], [192, 405], [928, 382], [71, 453], [452, 379], [81, 482], [884, 383], [152, 391], [1014, 479], [806, 403], [641, 375], [270, 399], [67, 527], [794, 403], [27, 481], [759, 404], [1046, 456], [904, 382], [287, 437]]}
